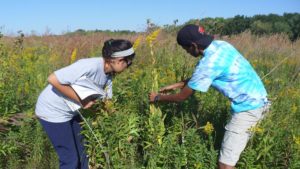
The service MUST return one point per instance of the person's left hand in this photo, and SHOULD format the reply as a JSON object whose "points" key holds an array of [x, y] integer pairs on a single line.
{"points": [[89, 104], [152, 96]]}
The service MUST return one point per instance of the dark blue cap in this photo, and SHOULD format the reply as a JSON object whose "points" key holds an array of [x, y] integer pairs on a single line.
{"points": [[193, 33]]}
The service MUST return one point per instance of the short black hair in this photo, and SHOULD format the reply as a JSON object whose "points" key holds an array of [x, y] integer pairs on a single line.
{"points": [[115, 45], [193, 33]]}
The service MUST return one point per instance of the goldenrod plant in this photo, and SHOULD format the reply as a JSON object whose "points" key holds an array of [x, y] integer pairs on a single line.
{"points": [[74, 55]]}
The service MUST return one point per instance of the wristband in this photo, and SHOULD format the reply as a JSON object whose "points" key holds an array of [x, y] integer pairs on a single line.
{"points": [[156, 98]]}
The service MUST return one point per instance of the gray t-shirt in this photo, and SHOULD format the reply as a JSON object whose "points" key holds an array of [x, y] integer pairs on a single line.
{"points": [[51, 105]]}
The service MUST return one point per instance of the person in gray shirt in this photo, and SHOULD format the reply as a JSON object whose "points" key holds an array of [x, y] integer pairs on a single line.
{"points": [[56, 105]]}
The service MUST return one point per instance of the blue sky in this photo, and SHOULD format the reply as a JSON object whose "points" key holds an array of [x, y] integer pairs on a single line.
{"points": [[58, 16]]}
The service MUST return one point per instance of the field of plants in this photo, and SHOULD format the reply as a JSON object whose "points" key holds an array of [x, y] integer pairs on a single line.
{"points": [[134, 134]]}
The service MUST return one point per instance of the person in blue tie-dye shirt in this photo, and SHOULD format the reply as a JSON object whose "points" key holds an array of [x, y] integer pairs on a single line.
{"points": [[225, 69]]}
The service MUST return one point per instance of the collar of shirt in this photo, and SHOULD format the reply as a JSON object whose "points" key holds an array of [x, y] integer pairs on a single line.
{"points": [[211, 48]]}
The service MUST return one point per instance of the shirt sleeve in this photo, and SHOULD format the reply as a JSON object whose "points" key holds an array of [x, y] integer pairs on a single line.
{"points": [[69, 74], [206, 71]]}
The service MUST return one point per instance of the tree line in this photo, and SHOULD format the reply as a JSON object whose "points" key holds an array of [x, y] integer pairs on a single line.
{"points": [[288, 23]]}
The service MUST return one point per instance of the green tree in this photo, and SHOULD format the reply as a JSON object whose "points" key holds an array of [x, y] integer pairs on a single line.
{"points": [[259, 27], [236, 25], [293, 20]]}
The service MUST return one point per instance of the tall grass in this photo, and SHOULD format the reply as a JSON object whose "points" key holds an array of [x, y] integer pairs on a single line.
{"points": [[134, 133]]}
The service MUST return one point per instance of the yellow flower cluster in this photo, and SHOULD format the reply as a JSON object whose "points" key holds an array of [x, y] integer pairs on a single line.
{"points": [[267, 82], [197, 165], [294, 108], [74, 55], [152, 37], [108, 106], [297, 140], [208, 128], [256, 129], [137, 42]]}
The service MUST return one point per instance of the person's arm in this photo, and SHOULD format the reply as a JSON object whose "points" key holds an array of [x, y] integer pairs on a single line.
{"points": [[178, 97], [68, 91], [174, 86]]}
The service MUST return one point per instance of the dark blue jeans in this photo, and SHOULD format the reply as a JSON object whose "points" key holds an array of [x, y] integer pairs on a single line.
{"points": [[68, 143]]}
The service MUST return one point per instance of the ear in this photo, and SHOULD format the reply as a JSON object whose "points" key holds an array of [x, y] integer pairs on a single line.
{"points": [[194, 45]]}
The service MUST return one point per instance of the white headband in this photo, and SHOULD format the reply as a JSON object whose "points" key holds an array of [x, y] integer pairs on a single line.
{"points": [[123, 53]]}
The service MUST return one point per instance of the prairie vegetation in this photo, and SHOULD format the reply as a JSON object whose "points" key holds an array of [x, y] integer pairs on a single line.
{"points": [[134, 133]]}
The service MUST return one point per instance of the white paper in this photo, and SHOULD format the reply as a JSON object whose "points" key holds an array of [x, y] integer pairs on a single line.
{"points": [[84, 87]]}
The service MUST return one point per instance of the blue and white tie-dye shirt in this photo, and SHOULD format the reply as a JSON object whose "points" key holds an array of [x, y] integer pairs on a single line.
{"points": [[225, 69]]}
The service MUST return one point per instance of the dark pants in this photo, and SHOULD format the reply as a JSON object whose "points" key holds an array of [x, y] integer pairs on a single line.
{"points": [[68, 143]]}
